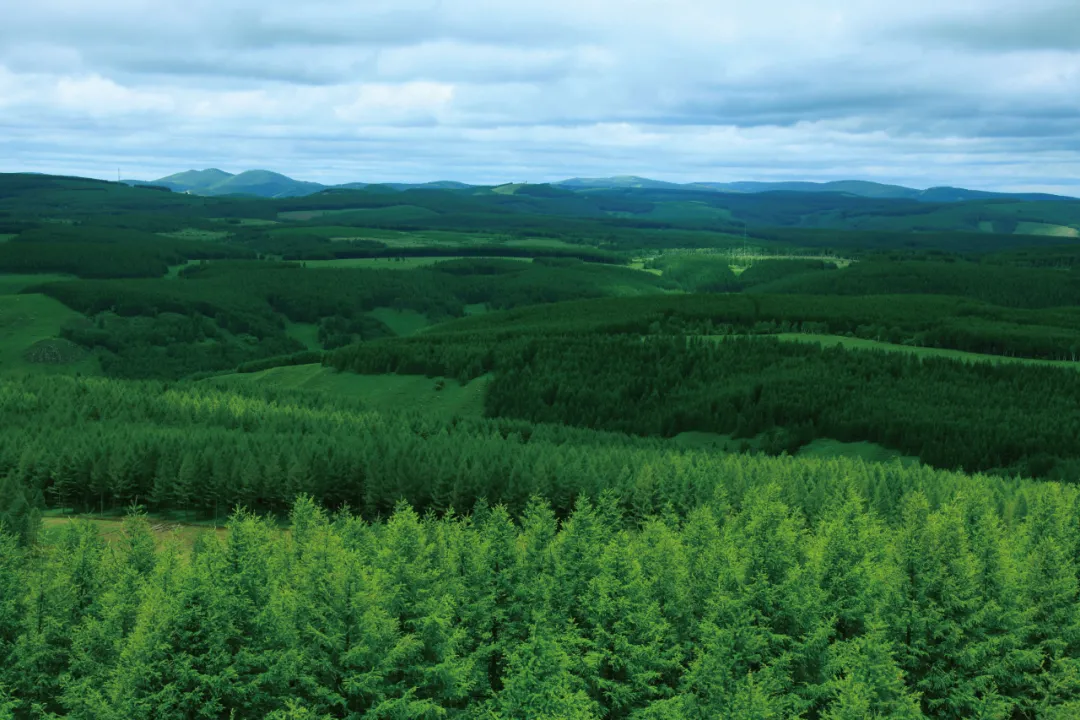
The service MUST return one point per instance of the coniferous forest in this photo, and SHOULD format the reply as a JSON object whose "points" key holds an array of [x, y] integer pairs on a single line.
{"points": [[459, 453]]}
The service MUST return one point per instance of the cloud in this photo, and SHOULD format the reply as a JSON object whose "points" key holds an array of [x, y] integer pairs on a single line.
{"points": [[985, 94], [1036, 25]]}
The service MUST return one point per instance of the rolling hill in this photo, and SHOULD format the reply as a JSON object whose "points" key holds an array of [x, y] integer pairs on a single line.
{"points": [[860, 188], [268, 184]]}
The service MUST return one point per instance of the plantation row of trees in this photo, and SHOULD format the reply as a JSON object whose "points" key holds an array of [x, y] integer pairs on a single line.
{"points": [[748, 610], [105, 252], [300, 245], [917, 320], [1004, 418], [99, 445], [1006, 286]]}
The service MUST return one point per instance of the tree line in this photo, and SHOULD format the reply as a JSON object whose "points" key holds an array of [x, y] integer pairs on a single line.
{"points": [[916, 320], [749, 611], [93, 445], [218, 315], [976, 416]]}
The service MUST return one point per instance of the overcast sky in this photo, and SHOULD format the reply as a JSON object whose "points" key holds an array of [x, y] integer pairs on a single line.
{"points": [[976, 93]]}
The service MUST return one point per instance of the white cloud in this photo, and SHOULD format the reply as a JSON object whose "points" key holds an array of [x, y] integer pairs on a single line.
{"points": [[386, 104], [484, 89], [98, 96]]}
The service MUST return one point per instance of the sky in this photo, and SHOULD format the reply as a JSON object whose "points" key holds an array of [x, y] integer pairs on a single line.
{"points": [[976, 93]]}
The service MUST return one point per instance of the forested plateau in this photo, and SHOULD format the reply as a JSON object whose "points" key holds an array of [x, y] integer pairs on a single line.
{"points": [[536, 452]]}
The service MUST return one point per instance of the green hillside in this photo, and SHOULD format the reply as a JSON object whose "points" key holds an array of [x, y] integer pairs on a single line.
{"points": [[622, 451]]}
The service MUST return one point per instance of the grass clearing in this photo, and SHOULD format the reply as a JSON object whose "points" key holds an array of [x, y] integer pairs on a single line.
{"points": [[382, 392], [330, 232], [861, 344], [687, 210], [402, 322], [196, 234], [246, 222], [111, 529], [391, 214], [174, 270], [407, 263], [639, 264], [867, 451], [371, 263], [542, 243], [308, 215], [746, 261], [26, 323], [13, 284], [306, 333], [820, 448], [4, 237], [1037, 228]]}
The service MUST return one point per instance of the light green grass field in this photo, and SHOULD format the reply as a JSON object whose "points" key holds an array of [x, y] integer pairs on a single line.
{"points": [[820, 448], [405, 263], [870, 452], [332, 232], [381, 392], [111, 529], [194, 234], [174, 270], [508, 189], [448, 238], [306, 333], [375, 263], [247, 222], [13, 284], [4, 237], [541, 243], [402, 322], [860, 344], [306, 215], [1035, 228], [687, 210], [392, 238], [747, 260], [28, 319], [639, 264], [360, 215]]}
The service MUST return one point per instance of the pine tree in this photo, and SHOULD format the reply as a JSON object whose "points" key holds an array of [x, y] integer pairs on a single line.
{"points": [[540, 684], [633, 656]]}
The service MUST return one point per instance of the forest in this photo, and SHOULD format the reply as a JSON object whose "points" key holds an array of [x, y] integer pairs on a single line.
{"points": [[537, 452]]}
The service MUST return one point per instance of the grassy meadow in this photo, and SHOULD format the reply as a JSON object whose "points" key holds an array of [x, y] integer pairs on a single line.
{"points": [[30, 326], [402, 322], [853, 343], [389, 393]]}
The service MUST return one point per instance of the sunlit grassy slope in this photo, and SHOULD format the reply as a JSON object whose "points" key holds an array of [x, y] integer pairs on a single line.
{"points": [[402, 322], [860, 344], [382, 392], [26, 320], [820, 448]]}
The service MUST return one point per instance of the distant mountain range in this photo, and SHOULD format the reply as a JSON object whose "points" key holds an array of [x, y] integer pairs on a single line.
{"points": [[267, 184], [860, 188]]}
